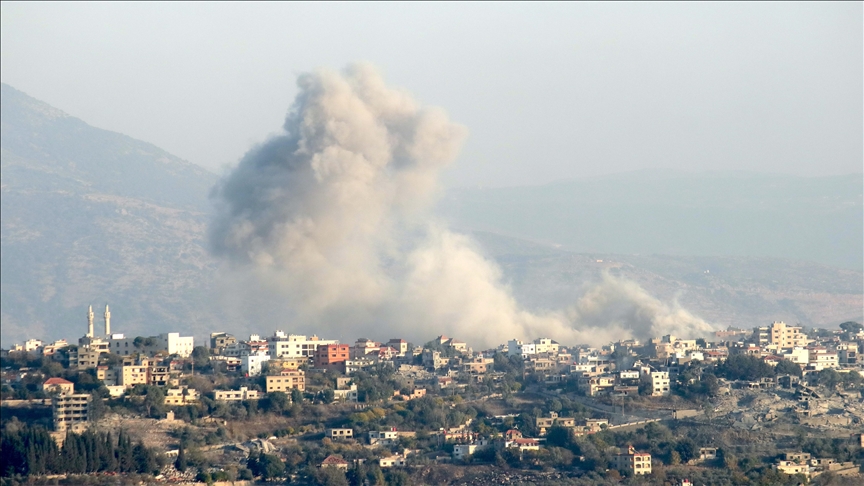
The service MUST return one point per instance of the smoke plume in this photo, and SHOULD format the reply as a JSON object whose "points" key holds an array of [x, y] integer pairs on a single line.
{"points": [[333, 216]]}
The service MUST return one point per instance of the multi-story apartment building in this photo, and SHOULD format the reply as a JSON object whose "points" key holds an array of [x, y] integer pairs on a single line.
{"points": [[635, 463], [659, 384], [822, 358], [332, 356], [220, 340], [294, 346], [780, 335], [286, 381], [70, 410]]}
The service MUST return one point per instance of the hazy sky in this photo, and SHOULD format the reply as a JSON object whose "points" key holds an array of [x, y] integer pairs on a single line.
{"points": [[548, 91]]}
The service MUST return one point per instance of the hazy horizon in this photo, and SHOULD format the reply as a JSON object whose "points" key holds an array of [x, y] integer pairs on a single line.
{"points": [[549, 92]]}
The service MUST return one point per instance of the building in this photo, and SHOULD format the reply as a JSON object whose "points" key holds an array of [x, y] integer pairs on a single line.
{"points": [[636, 463], [133, 373], [221, 340], [287, 381], [71, 411], [821, 358], [181, 396], [294, 346], [243, 393], [659, 384], [383, 437], [58, 385], [335, 461], [332, 356], [252, 364], [339, 433], [400, 345], [779, 335], [396, 460]]}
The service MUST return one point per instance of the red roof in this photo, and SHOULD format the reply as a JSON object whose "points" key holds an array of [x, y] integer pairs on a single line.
{"points": [[333, 460], [57, 381]]}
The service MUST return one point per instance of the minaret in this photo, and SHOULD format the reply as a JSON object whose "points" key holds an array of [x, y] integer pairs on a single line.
{"points": [[107, 321], [90, 322]]}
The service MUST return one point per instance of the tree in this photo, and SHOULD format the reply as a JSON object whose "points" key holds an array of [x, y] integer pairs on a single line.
{"points": [[828, 378], [200, 356], [786, 367], [270, 466], [277, 402], [154, 400], [745, 367], [296, 395], [180, 463], [559, 436]]}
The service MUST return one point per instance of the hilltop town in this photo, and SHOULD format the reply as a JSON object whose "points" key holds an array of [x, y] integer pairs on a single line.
{"points": [[774, 404]]}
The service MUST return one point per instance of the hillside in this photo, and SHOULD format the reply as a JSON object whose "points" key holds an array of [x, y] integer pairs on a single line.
{"points": [[92, 216]]}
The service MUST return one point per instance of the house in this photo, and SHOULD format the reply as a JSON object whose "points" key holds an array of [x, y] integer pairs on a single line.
{"points": [[58, 385], [396, 460], [287, 381], [181, 396], [243, 393], [636, 463], [339, 433], [523, 444], [335, 461], [659, 383], [383, 437]]}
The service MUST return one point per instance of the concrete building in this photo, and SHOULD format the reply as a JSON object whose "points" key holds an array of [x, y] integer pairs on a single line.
{"points": [[636, 463], [400, 345], [779, 335], [339, 433], [133, 372], [181, 396], [235, 395], [283, 345], [252, 364], [71, 411], [822, 358], [287, 381], [220, 340], [332, 356], [659, 384], [383, 437], [58, 386]]}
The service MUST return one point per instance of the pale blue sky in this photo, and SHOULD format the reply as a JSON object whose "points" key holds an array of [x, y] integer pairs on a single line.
{"points": [[548, 91]]}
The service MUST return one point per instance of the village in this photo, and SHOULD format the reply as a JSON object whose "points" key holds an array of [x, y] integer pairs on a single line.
{"points": [[771, 400]]}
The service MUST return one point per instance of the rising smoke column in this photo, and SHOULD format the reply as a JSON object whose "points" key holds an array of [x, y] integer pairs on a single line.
{"points": [[332, 215]]}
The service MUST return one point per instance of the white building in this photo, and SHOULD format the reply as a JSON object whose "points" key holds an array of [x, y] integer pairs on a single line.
{"points": [[235, 395], [383, 437], [251, 363], [659, 383], [821, 358], [295, 346], [176, 344]]}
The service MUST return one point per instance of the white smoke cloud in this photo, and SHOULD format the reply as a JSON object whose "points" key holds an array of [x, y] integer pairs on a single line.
{"points": [[332, 215]]}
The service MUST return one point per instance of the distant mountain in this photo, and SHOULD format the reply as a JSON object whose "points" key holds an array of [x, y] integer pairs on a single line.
{"points": [[93, 216], [726, 291], [819, 219]]}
